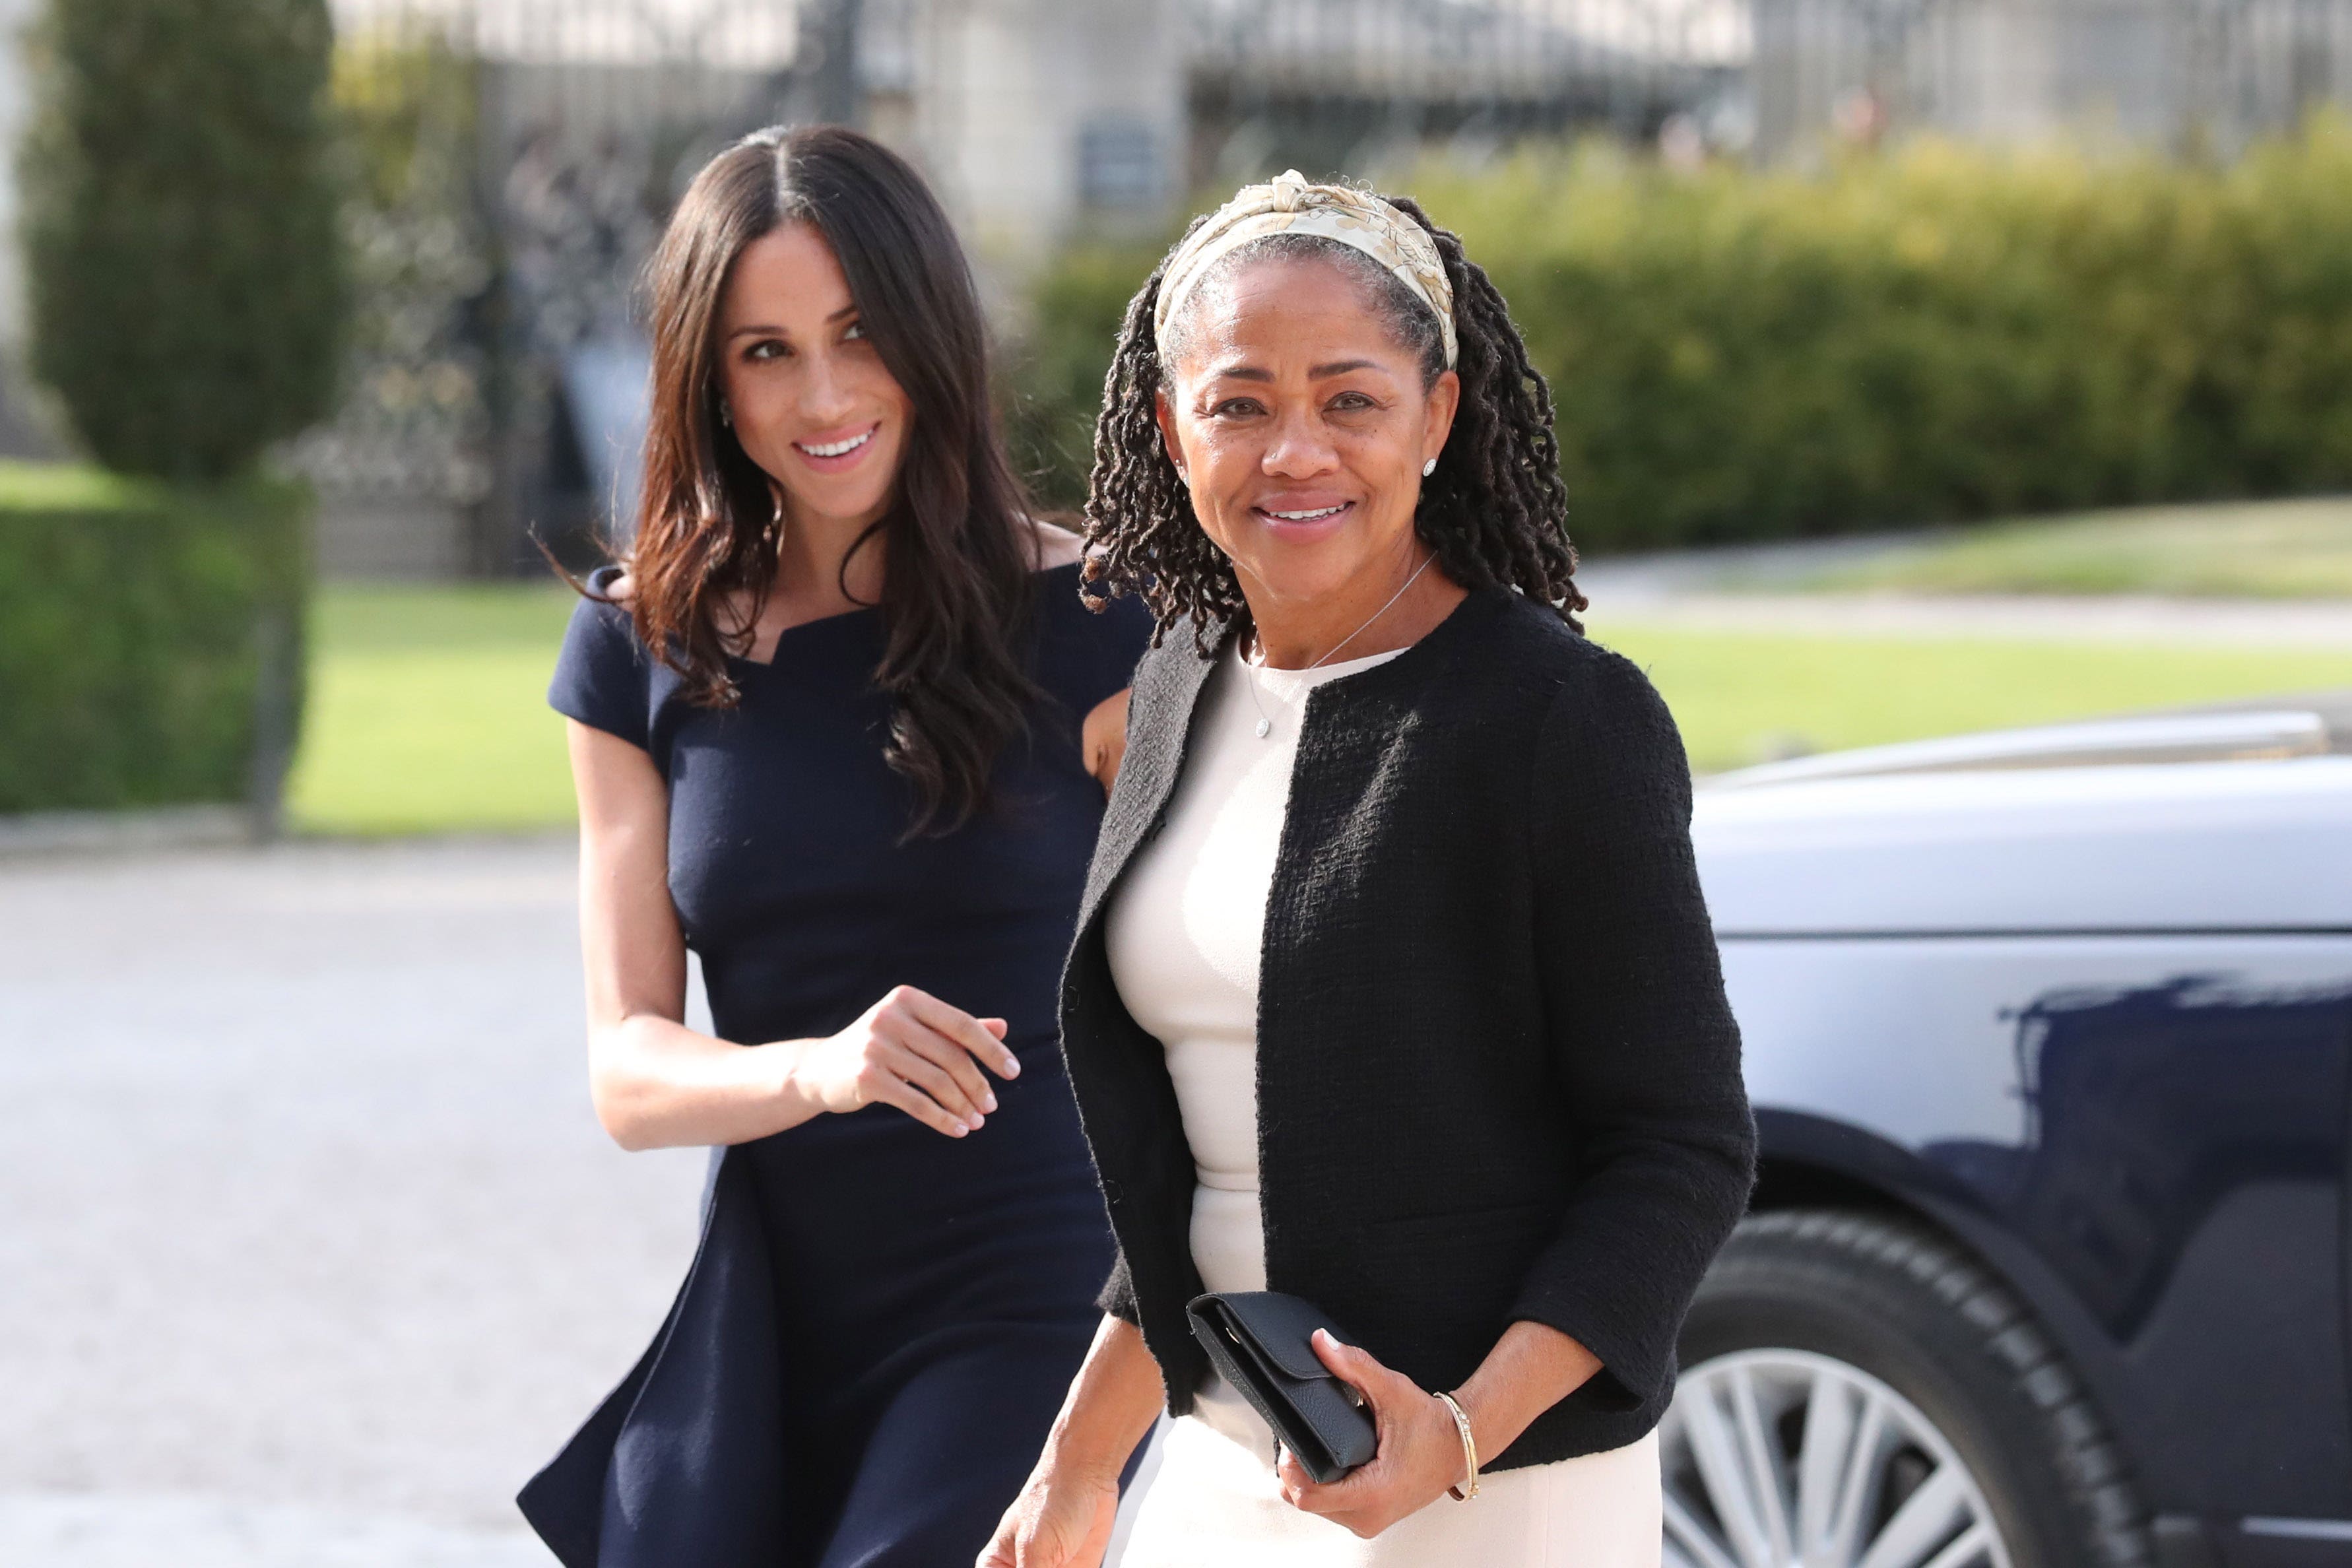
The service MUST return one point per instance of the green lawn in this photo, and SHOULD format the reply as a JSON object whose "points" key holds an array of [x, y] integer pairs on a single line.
{"points": [[428, 713], [1745, 697], [2282, 549]]}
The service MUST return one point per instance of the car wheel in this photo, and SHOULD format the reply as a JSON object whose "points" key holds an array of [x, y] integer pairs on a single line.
{"points": [[1857, 1391]]}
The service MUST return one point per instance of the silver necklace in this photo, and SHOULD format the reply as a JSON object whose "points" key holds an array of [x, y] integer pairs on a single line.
{"points": [[1264, 724]]}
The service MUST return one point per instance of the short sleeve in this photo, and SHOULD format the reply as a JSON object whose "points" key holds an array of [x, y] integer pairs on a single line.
{"points": [[602, 677]]}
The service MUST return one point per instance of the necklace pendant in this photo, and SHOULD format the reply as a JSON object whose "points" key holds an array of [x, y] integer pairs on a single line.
{"points": [[1265, 728]]}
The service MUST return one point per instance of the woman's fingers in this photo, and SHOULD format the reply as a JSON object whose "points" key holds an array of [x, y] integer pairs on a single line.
{"points": [[968, 1032], [949, 1056], [907, 1019], [930, 1066], [1357, 1368], [1343, 1501], [1361, 1373], [888, 1089], [1404, 1474], [925, 1058]]}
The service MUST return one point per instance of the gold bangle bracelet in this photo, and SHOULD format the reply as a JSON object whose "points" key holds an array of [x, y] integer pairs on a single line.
{"points": [[1469, 1452]]}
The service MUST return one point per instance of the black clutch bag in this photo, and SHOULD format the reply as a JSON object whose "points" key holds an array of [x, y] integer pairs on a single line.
{"points": [[1260, 1341]]}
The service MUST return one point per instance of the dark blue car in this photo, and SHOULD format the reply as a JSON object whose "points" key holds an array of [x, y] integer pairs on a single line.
{"points": [[2047, 1036]]}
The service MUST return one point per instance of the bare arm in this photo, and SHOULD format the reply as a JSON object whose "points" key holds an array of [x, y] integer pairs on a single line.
{"points": [[1055, 546], [1103, 738], [656, 1082], [1062, 1517], [1531, 1368]]}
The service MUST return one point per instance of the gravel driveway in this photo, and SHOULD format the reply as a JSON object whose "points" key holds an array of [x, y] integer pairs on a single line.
{"points": [[310, 1247]]}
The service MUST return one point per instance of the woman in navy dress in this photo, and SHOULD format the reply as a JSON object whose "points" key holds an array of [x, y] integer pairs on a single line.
{"points": [[842, 732]]}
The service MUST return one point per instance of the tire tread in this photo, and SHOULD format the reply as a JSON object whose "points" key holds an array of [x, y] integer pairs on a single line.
{"points": [[2111, 1524]]}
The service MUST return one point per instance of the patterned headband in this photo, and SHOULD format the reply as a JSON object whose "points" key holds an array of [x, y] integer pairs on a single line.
{"points": [[1291, 205]]}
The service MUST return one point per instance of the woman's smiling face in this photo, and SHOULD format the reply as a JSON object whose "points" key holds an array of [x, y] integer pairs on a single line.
{"points": [[1300, 426], [811, 402]]}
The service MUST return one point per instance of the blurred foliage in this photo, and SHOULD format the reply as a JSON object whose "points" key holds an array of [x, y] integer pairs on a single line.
{"points": [[1056, 384], [1933, 334], [402, 96], [133, 668], [184, 262], [413, 418]]}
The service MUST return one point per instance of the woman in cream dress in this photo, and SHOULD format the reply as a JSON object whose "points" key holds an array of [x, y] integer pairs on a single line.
{"points": [[1184, 936], [1393, 987]]}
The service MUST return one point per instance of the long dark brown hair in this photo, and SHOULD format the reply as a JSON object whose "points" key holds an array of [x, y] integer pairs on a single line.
{"points": [[1494, 511], [959, 550]]}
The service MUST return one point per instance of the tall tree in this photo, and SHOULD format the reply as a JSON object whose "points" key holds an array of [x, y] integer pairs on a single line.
{"points": [[183, 260]]}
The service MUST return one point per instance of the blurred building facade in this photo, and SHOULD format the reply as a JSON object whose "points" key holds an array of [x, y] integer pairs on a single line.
{"points": [[532, 147], [1356, 84], [519, 157], [2194, 76]]}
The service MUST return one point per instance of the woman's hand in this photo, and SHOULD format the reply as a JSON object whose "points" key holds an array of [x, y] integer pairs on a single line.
{"points": [[1063, 1518], [914, 1051], [1059, 1521], [1420, 1452], [1531, 1368]]}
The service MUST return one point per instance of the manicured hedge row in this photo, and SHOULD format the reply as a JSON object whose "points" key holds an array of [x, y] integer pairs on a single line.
{"points": [[149, 639], [1935, 336], [183, 260]]}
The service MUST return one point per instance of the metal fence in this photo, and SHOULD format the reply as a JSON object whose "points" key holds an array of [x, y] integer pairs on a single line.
{"points": [[519, 156], [517, 160]]}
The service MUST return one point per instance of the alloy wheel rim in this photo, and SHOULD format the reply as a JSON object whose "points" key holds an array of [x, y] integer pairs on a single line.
{"points": [[1784, 1459]]}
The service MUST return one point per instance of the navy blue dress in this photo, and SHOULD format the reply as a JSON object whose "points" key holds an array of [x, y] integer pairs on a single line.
{"points": [[880, 1321]]}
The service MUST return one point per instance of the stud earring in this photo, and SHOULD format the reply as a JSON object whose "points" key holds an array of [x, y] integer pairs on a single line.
{"points": [[1429, 468]]}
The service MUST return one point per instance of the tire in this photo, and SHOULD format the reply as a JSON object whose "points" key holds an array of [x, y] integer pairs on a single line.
{"points": [[1832, 1325]]}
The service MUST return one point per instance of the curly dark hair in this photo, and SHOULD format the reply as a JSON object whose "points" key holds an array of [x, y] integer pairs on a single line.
{"points": [[1493, 511]]}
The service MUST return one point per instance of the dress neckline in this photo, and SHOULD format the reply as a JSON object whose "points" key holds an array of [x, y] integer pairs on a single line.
{"points": [[1289, 685], [863, 614]]}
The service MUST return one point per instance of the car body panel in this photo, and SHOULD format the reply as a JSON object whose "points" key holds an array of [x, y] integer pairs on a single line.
{"points": [[2097, 1022], [2183, 847]]}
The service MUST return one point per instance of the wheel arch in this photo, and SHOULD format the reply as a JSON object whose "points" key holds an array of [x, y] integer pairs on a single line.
{"points": [[1806, 1160]]}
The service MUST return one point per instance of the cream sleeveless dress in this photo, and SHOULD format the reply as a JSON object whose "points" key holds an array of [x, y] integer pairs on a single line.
{"points": [[1184, 936]]}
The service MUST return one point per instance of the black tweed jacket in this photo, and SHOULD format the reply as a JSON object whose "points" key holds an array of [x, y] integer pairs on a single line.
{"points": [[1498, 1077]]}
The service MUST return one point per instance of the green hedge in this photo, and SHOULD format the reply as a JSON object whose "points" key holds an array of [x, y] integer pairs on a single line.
{"points": [[1934, 335], [149, 639], [1056, 381], [184, 267]]}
